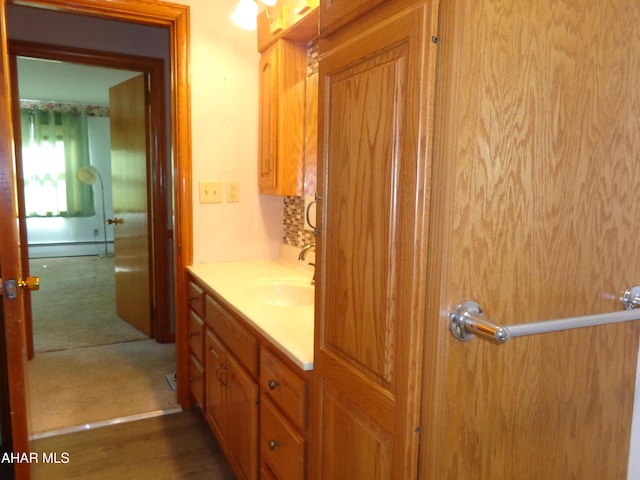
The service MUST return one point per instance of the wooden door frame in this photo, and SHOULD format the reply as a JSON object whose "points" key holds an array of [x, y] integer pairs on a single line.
{"points": [[175, 18], [157, 190]]}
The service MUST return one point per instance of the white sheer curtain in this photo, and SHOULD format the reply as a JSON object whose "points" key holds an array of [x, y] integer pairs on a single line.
{"points": [[55, 144]]}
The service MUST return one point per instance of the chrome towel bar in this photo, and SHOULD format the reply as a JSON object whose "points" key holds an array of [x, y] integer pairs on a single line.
{"points": [[467, 321]]}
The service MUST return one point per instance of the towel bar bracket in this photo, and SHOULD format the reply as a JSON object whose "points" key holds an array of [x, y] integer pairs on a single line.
{"points": [[467, 321]]}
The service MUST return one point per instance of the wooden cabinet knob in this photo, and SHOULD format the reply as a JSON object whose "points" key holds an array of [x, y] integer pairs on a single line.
{"points": [[273, 444], [273, 384]]}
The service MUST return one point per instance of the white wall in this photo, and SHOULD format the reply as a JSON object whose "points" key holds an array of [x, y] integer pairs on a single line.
{"points": [[224, 104]]}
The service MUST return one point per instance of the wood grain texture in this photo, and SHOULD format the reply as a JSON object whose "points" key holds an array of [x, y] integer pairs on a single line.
{"points": [[283, 71], [129, 176], [232, 407], [311, 121], [536, 212], [11, 311], [335, 14], [165, 448], [375, 90]]}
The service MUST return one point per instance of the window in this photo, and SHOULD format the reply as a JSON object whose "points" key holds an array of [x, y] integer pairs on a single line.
{"points": [[55, 145]]}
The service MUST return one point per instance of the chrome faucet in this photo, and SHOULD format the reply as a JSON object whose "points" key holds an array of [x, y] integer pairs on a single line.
{"points": [[305, 250], [303, 254]]}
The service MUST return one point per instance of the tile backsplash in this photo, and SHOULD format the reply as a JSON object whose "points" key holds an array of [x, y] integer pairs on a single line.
{"points": [[294, 220]]}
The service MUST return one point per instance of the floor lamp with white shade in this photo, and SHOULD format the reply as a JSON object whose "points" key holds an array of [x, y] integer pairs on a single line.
{"points": [[88, 175]]}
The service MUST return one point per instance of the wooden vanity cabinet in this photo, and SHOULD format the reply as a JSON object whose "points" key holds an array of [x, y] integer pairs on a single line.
{"points": [[283, 418], [196, 343], [232, 408], [254, 398], [214, 386], [196, 381], [282, 447], [231, 388]]}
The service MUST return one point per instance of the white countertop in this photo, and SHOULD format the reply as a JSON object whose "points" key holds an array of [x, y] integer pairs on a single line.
{"points": [[289, 328]]}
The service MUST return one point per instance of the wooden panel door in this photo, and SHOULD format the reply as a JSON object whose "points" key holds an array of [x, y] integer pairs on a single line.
{"points": [[375, 85], [13, 404], [536, 216], [129, 164]]}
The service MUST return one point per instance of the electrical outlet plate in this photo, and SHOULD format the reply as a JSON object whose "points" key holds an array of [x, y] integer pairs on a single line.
{"points": [[210, 192], [233, 191]]}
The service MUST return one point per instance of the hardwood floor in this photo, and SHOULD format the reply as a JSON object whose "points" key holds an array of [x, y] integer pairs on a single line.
{"points": [[171, 447]]}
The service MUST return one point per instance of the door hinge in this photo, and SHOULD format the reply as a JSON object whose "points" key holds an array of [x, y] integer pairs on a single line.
{"points": [[9, 289]]}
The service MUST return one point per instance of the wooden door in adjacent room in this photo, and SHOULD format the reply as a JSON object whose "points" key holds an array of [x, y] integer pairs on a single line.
{"points": [[128, 112]]}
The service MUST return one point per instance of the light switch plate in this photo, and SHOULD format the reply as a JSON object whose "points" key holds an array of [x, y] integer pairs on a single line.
{"points": [[210, 192]]}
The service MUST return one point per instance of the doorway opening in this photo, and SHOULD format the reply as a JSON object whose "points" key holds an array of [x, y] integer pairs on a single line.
{"points": [[127, 360], [174, 19]]}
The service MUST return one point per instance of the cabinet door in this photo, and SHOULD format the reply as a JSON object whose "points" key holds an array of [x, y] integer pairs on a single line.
{"points": [[337, 13], [215, 385], [283, 70], [375, 95], [242, 416], [268, 120]]}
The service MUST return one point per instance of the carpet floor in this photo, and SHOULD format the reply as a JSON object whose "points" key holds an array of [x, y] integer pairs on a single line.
{"points": [[89, 366], [76, 304]]}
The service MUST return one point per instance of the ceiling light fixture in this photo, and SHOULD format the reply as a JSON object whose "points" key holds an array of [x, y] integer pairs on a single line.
{"points": [[245, 13]]}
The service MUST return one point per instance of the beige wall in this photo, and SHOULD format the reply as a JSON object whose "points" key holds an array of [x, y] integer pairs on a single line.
{"points": [[224, 104]]}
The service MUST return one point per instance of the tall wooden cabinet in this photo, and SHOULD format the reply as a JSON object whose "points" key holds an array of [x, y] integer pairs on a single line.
{"points": [[376, 90]]}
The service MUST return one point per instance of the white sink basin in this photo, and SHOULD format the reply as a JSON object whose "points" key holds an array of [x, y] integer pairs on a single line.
{"points": [[282, 292]]}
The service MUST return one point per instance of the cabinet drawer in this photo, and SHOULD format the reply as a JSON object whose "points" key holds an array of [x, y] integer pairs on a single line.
{"points": [[285, 388], [282, 448], [238, 340], [196, 380], [196, 336], [195, 296]]}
